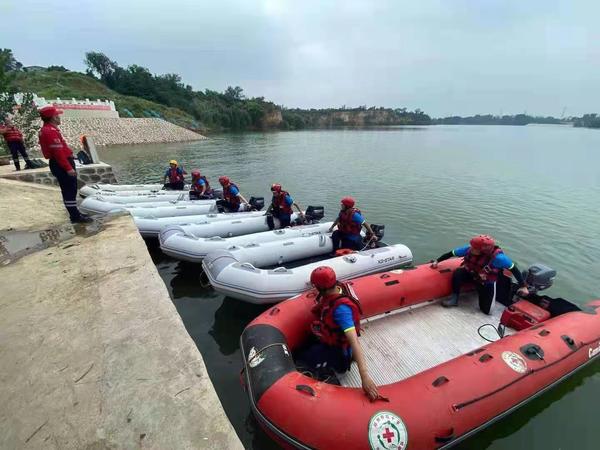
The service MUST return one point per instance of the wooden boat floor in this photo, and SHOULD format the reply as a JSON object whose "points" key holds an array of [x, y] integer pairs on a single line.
{"points": [[401, 345]]}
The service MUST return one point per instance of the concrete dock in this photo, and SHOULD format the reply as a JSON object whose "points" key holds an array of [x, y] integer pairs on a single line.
{"points": [[93, 354]]}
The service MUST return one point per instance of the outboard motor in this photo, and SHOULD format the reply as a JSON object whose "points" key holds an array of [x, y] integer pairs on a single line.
{"points": [[379, 231], [314, 213], [539, 277], [257, 203]]}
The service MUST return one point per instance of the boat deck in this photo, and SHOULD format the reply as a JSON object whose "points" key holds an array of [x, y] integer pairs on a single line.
{"points": [[401, 345]]}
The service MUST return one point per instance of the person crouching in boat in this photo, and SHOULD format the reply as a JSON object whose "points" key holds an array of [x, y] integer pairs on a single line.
{"points": [[281, 207], [233, 200], [337, 327], [174, 176], [349, 223], [200, 188], [483, 263]]}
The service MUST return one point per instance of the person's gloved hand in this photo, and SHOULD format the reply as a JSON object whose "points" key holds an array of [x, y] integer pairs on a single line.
{"points": [[434, 264]]}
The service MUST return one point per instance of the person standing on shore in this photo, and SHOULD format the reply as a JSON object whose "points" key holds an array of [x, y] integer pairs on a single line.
{"points": [[62, 164], [16, 144], [175, 176]]}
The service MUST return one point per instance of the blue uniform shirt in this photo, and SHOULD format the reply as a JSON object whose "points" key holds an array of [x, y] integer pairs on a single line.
{"points": [[289, 200], [501, 261], [179, 170], [342, 316], [234, 191]]}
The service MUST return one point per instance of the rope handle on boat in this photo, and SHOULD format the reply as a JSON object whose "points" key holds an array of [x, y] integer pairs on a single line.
{"points": [[284, 346]]}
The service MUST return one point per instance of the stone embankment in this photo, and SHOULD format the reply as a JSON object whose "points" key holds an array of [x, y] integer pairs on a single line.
{"points": [[89, 174], [109, 131], [93, 354]]}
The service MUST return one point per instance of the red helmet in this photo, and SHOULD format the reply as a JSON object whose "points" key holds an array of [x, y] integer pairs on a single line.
{"points": [[348, 202], [323, 277], [483, 243], [195, 173], [276, 187], [224, 180]]}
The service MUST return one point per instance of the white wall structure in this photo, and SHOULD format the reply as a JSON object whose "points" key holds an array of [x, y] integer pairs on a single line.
{"points": [[76, 108]]}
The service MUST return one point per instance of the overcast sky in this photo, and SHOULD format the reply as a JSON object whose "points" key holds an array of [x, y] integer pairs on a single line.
{"points": [[443, 56]]}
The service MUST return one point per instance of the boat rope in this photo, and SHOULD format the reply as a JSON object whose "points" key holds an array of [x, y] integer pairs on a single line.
{"points": [[459, 406]]}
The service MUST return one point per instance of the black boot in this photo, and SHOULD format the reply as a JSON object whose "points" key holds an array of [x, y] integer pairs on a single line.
{"points": [[453, 301], [17, 164], [29, 164]]}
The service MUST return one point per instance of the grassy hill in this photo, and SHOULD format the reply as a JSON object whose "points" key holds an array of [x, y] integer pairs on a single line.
{"points": [[66, 85]]}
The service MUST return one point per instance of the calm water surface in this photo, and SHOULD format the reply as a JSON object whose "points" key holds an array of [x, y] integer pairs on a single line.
{"points": [[535, 188]]}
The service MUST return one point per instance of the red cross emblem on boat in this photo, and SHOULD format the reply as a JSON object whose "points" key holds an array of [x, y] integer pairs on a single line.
{"points": [[387, 432]]}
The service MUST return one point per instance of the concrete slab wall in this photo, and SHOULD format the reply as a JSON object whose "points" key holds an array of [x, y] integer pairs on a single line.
{"points": [[93, 354]]}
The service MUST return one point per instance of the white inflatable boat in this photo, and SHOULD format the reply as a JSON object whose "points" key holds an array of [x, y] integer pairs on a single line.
{"points": [[129, 189], [150, 227], [179, 244], [99, 205], [230, 275]]}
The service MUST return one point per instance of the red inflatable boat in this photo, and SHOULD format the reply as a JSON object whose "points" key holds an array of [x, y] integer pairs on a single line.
{"points": [[441, 381]]}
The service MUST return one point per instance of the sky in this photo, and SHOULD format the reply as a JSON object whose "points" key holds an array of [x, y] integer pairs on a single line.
{"points": [[445, 57]]}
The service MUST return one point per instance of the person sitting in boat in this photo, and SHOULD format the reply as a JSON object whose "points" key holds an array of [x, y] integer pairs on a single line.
{"points": [[233, 200], [484, 262], [336, 327], [200, 188], [349, 223], [174, 176], [281, 206]]}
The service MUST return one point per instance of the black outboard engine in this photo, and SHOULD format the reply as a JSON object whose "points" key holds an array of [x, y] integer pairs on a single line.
{"points": [[314, 213], [539, 277], [379, 231], [257, 203]]}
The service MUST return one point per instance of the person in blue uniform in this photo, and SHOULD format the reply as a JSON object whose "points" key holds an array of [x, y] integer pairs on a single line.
{"points": [[483, 263], [336, 327], [281, 206], [349, 223], [174, 176]]}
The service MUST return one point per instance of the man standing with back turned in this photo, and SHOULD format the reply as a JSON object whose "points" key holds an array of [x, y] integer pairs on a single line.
{"points": [[62, 164]]}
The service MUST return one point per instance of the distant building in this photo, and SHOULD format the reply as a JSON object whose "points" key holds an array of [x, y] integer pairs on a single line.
{"points": [[76, 108]]}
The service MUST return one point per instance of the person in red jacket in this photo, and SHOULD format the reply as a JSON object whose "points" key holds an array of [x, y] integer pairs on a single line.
{"points": [[62, 164], [336, 326], [16, 144]]}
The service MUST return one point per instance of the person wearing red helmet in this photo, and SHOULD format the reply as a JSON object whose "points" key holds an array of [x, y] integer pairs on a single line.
{"points": [[200, 188], [61, 162], [349, 222], [336, 326], [483, 264], [233, 200], [15, 143], [281, 206]]}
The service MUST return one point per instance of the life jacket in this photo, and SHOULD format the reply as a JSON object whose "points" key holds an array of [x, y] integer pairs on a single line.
{"points": [[279, 203], [197, 187], [345, 223], [12, 134], [324, 326], [175, 175], [481, 265], [233, 200]]}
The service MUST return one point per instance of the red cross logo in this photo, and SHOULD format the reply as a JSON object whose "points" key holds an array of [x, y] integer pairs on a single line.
{"points": [[388, 435]]}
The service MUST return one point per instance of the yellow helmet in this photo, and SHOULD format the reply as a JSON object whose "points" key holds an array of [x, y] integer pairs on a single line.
{"points": [[173, 162]]}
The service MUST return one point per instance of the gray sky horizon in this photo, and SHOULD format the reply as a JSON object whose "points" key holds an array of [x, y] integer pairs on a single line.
{"points": [[460, 57]]}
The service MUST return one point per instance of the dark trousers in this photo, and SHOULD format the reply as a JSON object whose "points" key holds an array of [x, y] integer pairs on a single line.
{"points": [[487, 291], [285, 220], [342, 240], [178, 186], [320, 359], [195, 195], [15, 148], [68, 187]]}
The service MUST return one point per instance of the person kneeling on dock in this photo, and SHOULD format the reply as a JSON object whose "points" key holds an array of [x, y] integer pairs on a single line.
{"points": [[483, 264], [200, 188], [174, 177], [233, 200], [349, 223], [281, 207], [337, 327]]}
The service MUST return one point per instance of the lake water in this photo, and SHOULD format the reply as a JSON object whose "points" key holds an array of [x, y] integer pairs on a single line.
{"points": [[535, 188]]}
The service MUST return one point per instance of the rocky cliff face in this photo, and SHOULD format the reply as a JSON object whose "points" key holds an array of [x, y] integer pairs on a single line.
{"points": [[272, 119], [359, 118]]}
